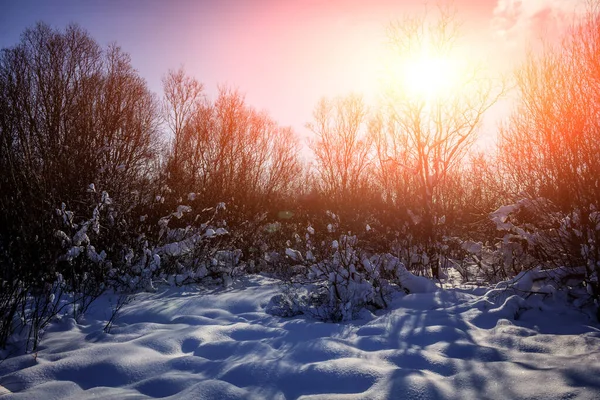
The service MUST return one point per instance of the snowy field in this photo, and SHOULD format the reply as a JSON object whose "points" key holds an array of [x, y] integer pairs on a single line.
{"points": [[189, 343]]}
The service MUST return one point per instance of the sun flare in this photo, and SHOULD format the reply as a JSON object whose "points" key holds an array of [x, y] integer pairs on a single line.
{"points": [[425, 76], [429, 76]]}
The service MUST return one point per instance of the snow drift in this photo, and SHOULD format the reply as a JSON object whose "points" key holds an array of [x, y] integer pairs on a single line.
{"points": [[184, 343]]}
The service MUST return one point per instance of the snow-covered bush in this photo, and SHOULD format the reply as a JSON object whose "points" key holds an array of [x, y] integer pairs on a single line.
{"points": [[537, 234], [581, 228], [337, 289], [333, 280], [183, 246], [115, 249], [520, 241]]}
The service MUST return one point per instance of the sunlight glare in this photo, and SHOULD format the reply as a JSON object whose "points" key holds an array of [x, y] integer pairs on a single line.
{"points": [[426, 77]]}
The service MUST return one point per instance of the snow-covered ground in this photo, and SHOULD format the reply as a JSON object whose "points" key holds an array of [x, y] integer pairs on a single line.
{"points": [[190, 343]]}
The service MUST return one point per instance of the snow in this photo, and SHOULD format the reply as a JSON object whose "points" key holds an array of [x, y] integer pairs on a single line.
{"points": [[500, 216], [413, 283], [222, 231], [209, 233], [472, 247], [190, 343], [293, 254]]}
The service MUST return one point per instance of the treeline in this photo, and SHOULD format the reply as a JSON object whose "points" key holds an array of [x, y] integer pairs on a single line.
{"points": [[104, 184]]}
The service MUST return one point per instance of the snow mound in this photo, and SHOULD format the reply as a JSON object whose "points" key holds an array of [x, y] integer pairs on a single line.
{"points": [[185, 343], [416, 284]]}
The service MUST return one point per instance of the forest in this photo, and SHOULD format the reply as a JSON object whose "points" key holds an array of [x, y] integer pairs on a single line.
{"points": [[109, 188]]}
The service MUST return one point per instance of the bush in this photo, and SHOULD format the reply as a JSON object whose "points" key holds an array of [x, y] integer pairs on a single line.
{"points": [[333, 277]]}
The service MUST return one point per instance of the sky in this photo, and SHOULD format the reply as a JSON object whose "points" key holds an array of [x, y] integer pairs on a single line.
{"points": [[283, 54]]}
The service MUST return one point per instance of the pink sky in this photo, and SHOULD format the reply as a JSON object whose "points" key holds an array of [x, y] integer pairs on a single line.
{"points": [[284, 54]]}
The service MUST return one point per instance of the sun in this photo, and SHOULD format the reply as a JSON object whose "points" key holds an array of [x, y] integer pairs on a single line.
{"points": [[429, 77], [424, 76]]}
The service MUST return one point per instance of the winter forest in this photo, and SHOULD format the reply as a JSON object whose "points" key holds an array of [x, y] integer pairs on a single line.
{"points": [[177, 244]]}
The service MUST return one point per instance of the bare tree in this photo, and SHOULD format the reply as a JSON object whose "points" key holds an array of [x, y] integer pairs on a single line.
{"points": [[553, 131], [183, 96], [127, 137], [549, 147], [342, 147], [72, 114], [392, 166], [228, 150], [77, 114], [437, 128]]}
